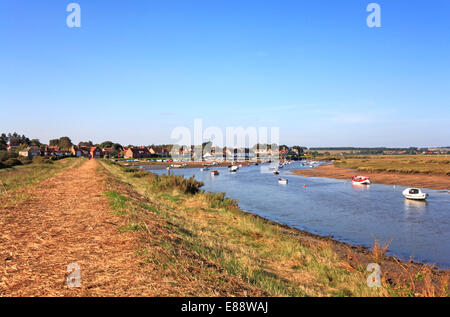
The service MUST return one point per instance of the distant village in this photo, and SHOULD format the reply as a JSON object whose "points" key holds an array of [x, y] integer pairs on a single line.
{"points": [[17, 149]]}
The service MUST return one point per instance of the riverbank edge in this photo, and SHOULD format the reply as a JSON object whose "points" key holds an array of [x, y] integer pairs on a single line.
{"points": [[434, 182], [393, 270]]}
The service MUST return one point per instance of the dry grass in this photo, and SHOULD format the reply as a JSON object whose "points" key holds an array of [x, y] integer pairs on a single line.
{"points": [[378, 251], [67, 219], [19, 176]]}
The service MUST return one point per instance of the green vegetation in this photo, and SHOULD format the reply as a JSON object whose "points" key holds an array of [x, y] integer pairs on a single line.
{"points": [[398, 164], [64, 143], [193, 235], [19, 176]]}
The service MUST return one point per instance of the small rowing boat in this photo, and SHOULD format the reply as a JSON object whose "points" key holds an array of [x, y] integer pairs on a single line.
{"points": [[282, 181]]}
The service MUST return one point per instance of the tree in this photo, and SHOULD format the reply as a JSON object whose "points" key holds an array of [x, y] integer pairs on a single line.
{"points": [[54, 142], [117, 147], [298, 149], [85, 144], [3, 141], [106, 144], [16, 140], [65, 143], [35, 142]]}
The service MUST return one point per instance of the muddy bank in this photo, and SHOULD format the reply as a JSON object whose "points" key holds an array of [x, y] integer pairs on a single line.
{"points": [[438, 182]]}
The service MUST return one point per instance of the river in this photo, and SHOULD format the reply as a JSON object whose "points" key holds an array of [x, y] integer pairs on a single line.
{"points": [[355, 214]]}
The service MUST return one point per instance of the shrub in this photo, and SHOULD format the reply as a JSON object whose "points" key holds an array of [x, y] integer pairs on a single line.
{"points": [[25, 160], [164, 182], [4, 155], [140, 174], [12, 162], [218, 200], [130, 170]]}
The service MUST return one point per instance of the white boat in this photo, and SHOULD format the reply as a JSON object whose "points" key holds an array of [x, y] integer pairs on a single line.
{"points": [[204, 169], [361, 180], [234, 168], [282, 181], [414, 193]]}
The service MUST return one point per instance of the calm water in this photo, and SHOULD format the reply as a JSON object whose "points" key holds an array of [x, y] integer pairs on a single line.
{"points": [[350, 213]]}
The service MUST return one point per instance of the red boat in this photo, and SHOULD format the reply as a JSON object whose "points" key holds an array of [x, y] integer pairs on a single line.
{"points": [[359, 179]]}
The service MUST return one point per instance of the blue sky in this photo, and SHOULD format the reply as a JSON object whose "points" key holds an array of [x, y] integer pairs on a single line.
{"points": [[137, 69]]}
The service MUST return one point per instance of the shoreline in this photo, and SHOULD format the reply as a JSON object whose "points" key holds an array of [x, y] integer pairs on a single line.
{"points": [[363, 250], [339, 246], [435, 182]]}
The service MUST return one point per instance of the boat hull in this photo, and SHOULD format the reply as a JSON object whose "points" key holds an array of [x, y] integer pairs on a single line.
{"points": [[363, 182], [416, 197]]}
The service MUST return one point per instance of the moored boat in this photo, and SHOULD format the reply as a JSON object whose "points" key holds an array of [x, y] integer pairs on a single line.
{"points": [[415, 194], [282, 181], [214, 173], [359, 179], [234, 168]]}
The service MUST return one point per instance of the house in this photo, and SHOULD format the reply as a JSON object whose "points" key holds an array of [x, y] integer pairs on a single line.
{"points": [[76, 151], [107, 152], [95, 152], [11, 148], [143, 152], [130, 153], [30, 152], [158, 150], [51, 150]]}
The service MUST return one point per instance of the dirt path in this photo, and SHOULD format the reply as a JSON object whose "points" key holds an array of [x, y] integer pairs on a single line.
{"points": [[68, 220], [439, 182]]}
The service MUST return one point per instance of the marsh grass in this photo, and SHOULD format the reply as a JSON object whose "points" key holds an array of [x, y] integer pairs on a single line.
{"points": [[398, 164]]}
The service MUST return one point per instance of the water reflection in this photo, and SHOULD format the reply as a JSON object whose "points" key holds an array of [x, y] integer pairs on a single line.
{"points": [[360, 187], [415, 205]]}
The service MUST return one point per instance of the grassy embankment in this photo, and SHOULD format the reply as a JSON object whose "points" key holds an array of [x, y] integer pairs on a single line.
{"points": [[22, 175], [408, 164], [205, 241]]}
